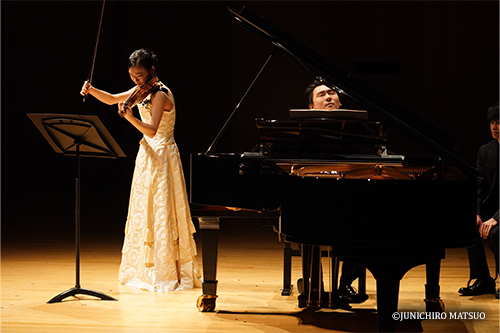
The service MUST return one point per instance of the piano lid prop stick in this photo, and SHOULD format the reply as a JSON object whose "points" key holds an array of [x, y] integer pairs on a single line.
{"points": [[228, 121]]}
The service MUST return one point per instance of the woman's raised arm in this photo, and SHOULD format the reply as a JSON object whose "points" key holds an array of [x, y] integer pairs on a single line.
{"points": [[104, 96]]}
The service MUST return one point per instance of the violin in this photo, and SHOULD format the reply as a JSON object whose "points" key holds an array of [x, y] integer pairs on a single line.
{"points": [[140, 93]]}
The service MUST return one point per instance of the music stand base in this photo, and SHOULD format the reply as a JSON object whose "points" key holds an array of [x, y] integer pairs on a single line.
{"points": [[75, 291]]}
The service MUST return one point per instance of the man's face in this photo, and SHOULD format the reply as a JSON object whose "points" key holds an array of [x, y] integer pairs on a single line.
{"points": [[325, 98], [494, 129]]}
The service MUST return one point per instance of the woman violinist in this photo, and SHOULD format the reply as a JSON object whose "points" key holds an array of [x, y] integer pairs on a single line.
{"points": [[159, 249]]}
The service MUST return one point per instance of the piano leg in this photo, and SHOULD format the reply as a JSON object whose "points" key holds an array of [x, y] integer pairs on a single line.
{"points": [[306, 251], [388, 273], [388, 296], [287, 270], [387, 304], [209, 229], [433, 302]]}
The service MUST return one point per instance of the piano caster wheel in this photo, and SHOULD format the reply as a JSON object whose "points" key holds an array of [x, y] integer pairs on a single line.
{"points": [[434, 305], [206, 303]]}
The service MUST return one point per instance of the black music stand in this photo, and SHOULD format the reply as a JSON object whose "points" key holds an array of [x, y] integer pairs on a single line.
{"points": [[77, 135]]}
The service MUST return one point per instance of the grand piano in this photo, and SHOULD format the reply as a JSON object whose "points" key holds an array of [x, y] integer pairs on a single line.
{"points": [[328, 186]]}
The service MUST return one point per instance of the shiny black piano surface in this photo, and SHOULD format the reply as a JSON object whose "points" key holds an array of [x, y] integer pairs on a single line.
{"points": [[384, 211]]}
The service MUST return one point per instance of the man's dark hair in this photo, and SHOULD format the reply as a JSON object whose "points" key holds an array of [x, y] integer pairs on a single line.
{"points": [[308, 94], [492, 113]]}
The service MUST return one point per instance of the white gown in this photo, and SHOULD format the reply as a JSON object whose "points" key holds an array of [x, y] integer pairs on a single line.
{"points": [[159, 249]]}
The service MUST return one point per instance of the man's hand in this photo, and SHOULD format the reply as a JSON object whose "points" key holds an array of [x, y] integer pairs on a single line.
{"points": [[484, 229]]}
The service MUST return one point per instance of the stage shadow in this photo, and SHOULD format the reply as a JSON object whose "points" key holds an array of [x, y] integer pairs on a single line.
{"points": [[357, 320]]}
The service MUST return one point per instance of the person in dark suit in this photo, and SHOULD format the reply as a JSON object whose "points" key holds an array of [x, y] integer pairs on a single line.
{"points": [[487, 214]]}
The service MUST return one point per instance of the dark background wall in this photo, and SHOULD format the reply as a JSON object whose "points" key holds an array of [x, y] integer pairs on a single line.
{"points": [[445, 55]]}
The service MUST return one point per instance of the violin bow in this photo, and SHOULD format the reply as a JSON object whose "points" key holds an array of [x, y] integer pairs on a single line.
{"points": [[91, 74]]}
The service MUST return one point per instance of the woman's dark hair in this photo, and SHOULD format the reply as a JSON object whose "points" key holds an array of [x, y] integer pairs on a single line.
{"points": [[144, 58], [492, 113]]}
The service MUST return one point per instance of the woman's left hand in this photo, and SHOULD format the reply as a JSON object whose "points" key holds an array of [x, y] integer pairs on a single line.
{"points": [[124, 112]]}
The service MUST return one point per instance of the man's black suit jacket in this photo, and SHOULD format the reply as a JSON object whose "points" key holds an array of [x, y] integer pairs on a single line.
{"points": [[488, 186]]}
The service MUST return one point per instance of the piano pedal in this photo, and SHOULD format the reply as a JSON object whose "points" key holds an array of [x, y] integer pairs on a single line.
{"points": [[434, 305], [312, 304]]}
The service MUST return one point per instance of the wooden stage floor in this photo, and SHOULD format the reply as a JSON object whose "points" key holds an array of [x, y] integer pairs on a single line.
{"points": [[36, 267]]}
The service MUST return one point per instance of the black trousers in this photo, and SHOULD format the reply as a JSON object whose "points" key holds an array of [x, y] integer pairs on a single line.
{"points": [[477, 256], [350, 272], [493, 242]]}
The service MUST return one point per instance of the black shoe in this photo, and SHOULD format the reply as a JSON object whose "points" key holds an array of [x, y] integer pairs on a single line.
{"points": [[496, 295], [480, 287], [347, 293]]}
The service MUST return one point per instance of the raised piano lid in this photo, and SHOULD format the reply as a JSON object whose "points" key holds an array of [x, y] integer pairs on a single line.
{"points": [[354, 89]]}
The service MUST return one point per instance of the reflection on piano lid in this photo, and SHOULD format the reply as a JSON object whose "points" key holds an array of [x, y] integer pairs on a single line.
{"points": [[325, 114], [320, 137]]}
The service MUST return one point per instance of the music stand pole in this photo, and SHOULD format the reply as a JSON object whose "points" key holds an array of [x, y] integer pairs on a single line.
{"points": [[78, 289], [77, 218]]}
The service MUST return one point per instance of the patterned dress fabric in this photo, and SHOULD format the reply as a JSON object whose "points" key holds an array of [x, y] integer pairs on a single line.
{"points": [[159, 249]]}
